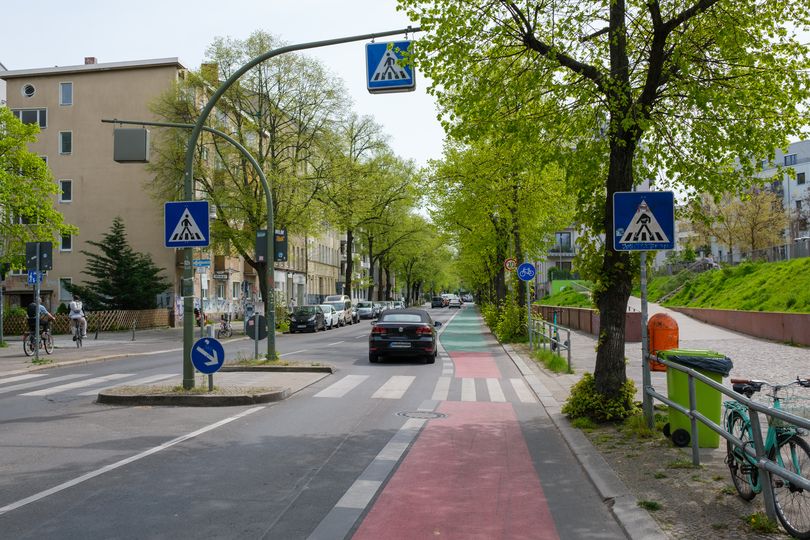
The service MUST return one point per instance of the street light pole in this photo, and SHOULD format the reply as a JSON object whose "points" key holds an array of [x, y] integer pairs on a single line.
{"points": [[188, 190]]}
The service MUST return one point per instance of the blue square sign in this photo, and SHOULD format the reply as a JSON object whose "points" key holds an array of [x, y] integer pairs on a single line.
{"points": [[386, 72], [185, 224], [643, 220]]}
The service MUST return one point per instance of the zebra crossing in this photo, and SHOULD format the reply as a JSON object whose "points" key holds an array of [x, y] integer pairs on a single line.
{"points": [[75, 384]]}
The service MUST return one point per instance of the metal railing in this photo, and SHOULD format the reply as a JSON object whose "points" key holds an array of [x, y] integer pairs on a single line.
{"points": [[548, 334], [758, 453]]}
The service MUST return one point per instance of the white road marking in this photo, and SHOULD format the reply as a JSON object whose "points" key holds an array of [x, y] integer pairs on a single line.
{"points": [[121, 463], [394, 388], [442, 389], [392, 451], [467, 389], [40, 382], [522, 390], [359, 495], [21, 378], [292, 352], [495, 391], [136, 382], [342, 387], [78, 384], [336, 343]]}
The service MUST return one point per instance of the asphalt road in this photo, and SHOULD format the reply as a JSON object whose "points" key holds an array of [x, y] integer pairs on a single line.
{"points": [[338, 459]]}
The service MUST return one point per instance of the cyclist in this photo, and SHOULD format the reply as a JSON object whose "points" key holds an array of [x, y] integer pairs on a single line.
{"points": [[44, 316], [77, 313]]}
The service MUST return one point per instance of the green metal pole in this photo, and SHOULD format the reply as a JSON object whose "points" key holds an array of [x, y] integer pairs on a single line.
{"points": [[188, 372]]}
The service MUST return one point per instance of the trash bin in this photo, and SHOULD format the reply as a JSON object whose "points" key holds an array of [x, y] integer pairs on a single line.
{"points": [[708, 401], [662, 331]]}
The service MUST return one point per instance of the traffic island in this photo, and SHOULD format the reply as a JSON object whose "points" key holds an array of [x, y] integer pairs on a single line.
{"points": [[233, 386]]}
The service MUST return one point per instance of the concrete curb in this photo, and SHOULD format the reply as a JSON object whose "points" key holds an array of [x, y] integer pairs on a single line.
{"points": [[282, 369], [193, 400], [635, 521]]}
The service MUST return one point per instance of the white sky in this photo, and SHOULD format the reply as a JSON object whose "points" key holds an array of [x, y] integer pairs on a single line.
{"points": [[50, 33]]}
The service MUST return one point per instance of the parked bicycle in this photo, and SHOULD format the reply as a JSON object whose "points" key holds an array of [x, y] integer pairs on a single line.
{"points": [[45, 341], [784, 445], [225, 326]]}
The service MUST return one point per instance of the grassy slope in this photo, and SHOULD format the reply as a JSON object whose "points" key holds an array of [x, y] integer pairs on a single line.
{"points": [[782, 286], [567, 298]]}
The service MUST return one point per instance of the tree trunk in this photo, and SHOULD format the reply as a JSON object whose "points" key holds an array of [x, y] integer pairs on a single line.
{"points": [[521, 299], [347, 284], [370, 294], [387, 281]]}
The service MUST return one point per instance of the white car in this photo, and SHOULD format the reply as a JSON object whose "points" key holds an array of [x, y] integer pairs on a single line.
{"points": [[330, 316], [343, 311]]}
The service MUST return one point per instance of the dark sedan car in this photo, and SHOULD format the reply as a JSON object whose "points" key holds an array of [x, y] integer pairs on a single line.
{"points": [[305, 318], [437, 301], [403, 332]]}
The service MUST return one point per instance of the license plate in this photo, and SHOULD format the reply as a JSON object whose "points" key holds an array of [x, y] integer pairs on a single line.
{"points": [[302, 326], [400, 345]]}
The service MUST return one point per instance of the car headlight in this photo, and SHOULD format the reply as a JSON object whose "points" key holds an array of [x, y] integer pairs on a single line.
{"points": [[311, 319]]}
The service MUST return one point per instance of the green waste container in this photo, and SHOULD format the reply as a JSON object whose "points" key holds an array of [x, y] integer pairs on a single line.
{"points": [[708, 401]]}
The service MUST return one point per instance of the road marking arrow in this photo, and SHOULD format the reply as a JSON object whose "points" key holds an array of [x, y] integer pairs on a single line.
{"points": [[213, 359]]}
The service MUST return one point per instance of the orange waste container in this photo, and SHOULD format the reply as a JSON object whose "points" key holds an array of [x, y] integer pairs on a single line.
{"points": [[662, 331]]}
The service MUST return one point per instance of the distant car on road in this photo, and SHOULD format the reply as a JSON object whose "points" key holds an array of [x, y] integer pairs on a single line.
{"points": [[437, 301], [365, 309], [330, 316], [379, 307], [403, 332], [305, 318], [398, 304], [344, 311], [454, 302]]}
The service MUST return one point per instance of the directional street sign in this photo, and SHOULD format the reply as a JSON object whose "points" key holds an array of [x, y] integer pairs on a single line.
{"points": [[33, 277], [201, 262], [386, 72], [185, 224], [643, 220], [207, 355], [526, 271]]}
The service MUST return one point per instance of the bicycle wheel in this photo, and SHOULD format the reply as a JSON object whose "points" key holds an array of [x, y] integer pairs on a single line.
{"points": [[28, 347], [793, 502], [743, 473], [47, 341]]}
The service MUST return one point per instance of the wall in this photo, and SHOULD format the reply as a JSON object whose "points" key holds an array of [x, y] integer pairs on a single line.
{"points": [[587, 320], [784, 327]]}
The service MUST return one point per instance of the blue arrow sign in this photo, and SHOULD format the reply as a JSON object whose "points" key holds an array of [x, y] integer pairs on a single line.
{"points": [[185, 224], [207, 355], [526, 271], [33, 277], [643, 220], [385, 70]]}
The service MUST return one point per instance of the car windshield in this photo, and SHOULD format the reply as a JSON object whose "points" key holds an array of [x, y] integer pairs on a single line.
{"points": [[326, 308], [305, 310], [401, 317], [339, 306], [364, 304]]}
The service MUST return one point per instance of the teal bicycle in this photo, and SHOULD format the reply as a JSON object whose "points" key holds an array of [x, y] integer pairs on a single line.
{"points": [[784, 445]]}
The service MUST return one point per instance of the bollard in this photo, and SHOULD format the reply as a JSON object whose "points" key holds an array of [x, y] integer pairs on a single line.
{"points": [[133, 331]]}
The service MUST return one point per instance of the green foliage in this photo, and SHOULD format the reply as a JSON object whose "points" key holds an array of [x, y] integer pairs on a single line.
{"points": [[585, 424], [62, 309], [761, 523], [124, 278], [585, 401], [511, 326], [650, 505], [491, 315], [553, 361], [14, 311], [567, 297]]}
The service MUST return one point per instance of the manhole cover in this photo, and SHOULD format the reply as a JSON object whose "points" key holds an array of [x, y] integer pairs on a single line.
{"points": [[422, 415]]}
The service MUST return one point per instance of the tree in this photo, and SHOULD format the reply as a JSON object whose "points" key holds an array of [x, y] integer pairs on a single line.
{"points": [[718, 220], [762, 221], [696, 88], [27, 211], [124, 279]]}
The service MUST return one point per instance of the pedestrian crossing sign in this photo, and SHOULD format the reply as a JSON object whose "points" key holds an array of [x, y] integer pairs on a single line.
{"points": [[388, 69], [643, 220], [185, 224]]}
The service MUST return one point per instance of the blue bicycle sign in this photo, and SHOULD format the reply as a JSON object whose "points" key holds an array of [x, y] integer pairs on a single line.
{"points": [[526, 271]]}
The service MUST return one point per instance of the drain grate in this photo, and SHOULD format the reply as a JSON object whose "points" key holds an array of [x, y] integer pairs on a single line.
{"points": [[422, 415]]}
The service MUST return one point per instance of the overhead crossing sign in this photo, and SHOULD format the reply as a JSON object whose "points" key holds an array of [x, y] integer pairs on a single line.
{"points": [[643, 220], [386, 70], [186, 224]]}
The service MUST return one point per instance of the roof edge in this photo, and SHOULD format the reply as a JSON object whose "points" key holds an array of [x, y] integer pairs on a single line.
{"points": [[109, 66]]}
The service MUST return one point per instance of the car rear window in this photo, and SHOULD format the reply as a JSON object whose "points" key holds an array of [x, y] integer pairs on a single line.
{"points": [[363, 304], [401, 317], [437, 297]]}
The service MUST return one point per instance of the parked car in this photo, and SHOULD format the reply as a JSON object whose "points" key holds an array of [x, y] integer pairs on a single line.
{"points": [[344, 311], [454, 302], [403, 332], [330, 316], [365, 309], [305, 318], [379, 307], [336, 298], [437, 301], [399, 304], [355, 314]]}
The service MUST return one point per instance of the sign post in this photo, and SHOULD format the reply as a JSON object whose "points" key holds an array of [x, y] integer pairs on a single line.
{"points": [[644, 221], [208, 355], [526, 272]]}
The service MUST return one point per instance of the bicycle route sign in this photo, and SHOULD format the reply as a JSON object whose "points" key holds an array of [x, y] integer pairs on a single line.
{"points": [[207, 355], [526, 271], [643, 220], [185, 224]]}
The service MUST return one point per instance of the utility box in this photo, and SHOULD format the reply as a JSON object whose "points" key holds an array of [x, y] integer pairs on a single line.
{"points": [[131, 145]]}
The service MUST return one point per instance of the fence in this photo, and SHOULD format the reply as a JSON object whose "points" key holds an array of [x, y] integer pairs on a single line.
{"points": [[762, 461], [550, 333], [103, 321]]}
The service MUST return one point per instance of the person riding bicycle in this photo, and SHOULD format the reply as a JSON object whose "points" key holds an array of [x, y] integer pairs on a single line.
{"points": [[77, 313], [44, 316]]}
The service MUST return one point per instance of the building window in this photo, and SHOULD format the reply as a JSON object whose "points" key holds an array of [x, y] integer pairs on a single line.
{"points": [[28, 90], [799, 206], [236, 289], [562, 242], [220, 290], [64, 294], [65, 142], [800, 178], [66, 187], [32, 116], [66, 93], [790, 159], [67, 243]]}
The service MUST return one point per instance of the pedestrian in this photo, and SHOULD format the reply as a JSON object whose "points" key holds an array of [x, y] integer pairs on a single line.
{"points": [[293, 304], [77, 313]]}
